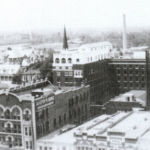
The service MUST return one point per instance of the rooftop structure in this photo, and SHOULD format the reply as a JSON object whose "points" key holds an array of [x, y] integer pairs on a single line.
{"points": [[121, 130]]}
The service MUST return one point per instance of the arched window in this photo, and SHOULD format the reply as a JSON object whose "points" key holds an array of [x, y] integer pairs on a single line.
{"points": [[63, 61], [16, 113], [8, 128], [57, 61], [69, 60], [27, 116], [7, 114], [54, 123]]}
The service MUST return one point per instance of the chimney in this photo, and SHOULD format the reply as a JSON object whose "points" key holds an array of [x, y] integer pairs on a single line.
{"points": [[124, 34]]}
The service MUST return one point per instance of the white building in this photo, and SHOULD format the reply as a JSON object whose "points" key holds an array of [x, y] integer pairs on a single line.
{"points": [[120, 131]]}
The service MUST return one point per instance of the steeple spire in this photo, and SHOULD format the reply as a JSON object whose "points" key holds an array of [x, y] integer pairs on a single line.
{"points": [[65, 44]]}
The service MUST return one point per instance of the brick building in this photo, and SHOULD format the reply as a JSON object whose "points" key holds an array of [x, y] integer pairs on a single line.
{"points": [[26, 116]]}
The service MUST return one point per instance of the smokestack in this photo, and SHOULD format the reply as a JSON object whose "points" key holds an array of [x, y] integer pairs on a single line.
{"points": [[124, 34]]}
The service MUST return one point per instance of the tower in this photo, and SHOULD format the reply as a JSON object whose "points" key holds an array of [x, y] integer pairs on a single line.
{"points": [[65, 44], [124, 34]]}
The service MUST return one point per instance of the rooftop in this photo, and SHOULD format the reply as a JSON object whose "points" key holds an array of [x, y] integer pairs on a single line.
{"points": [[135, 125]]}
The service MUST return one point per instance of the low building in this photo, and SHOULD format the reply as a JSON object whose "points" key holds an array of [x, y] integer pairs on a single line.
{"points": [[7, 71], [122, 102], [31, 75], [122, 130]]}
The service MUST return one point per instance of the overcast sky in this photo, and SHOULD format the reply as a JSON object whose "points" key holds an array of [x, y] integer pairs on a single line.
{"points": [[26, 15]]}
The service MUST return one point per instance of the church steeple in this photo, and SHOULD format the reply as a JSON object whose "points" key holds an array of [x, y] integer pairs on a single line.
{"points": [[65, 44]]}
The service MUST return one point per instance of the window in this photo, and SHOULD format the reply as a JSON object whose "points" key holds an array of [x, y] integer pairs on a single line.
{"points": [[58, 79], [136, 79], [131, 72], [40, 147], [130, 66], [27, 145], [143, 79], [60, 120], [77, 60], [125, 72], [45, 148], [30, 144], [70, 73], [118, 66], [136, 66], [29, 130], [136, 72], [26, 131], [69, 60], [66, 73], [58, 73], [63, 61], [57, 61], [131, 79], [118, 72], [125, 78], [27, 117], [125, 66]]}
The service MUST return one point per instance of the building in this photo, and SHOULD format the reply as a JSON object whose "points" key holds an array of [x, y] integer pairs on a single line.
{"points": [[27, 114], [122, 102], [129, 72], [87, 63], [7, 71], [122, 130], [31, 75]]}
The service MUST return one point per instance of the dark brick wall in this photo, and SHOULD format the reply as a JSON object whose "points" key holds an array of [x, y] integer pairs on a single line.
{"points": [[63, 108]]}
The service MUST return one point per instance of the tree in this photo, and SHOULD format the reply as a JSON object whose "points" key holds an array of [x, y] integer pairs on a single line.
{"points": [[46, 69], [17, 78]]}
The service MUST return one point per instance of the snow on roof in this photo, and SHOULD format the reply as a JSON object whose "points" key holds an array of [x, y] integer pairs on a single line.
{"points": [[9, 69], [135, 125]]}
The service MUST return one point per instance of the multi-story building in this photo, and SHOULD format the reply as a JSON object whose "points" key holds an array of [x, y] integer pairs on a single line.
{"points": [[120, 131], [87, 63], [26, 116], [129, 72]]}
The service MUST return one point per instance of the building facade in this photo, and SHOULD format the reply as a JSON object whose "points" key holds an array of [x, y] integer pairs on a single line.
{"points": [[15, 122]]}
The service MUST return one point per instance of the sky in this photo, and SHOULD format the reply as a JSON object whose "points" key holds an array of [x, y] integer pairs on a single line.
{"points": [[29, 15]]}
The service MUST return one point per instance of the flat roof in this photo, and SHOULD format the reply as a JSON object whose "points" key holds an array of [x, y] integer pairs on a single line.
{"points": [[140, 96], [134, 125]]}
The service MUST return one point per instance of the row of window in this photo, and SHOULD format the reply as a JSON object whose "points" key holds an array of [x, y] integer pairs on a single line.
{"points": [[132, 79], [63, 60], [10, 128], [46, 148], [131, 66], [131, 72], [66, 73], [15, 114]]}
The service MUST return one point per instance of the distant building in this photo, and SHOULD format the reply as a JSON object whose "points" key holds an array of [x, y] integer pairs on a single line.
{"points": [[7, 71], [31, 75], [122, 130]]}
